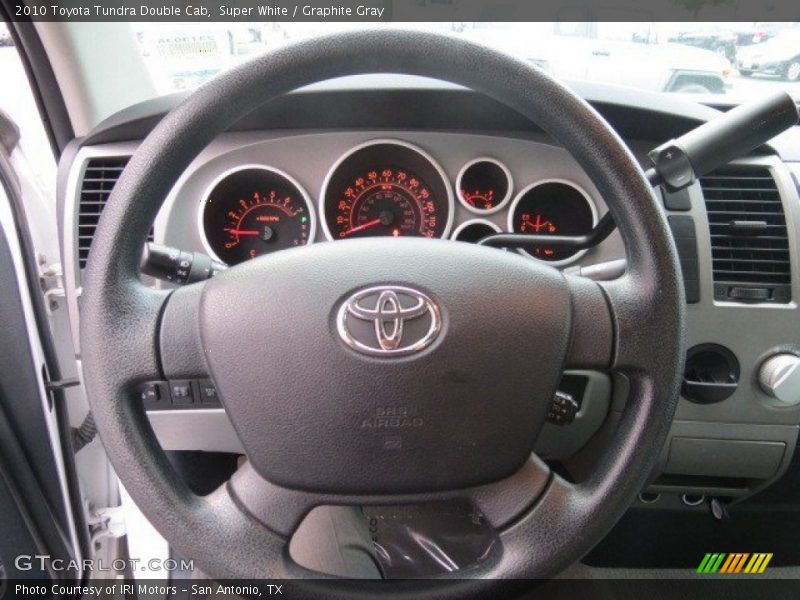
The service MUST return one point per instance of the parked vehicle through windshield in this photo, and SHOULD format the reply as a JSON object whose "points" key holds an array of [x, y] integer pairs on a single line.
{"points": [[737, 61]]}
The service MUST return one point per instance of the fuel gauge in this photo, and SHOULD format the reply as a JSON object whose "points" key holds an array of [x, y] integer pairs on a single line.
{"points": [[484, 185]]}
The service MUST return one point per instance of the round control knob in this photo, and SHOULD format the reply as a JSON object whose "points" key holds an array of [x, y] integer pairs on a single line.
{"points": [[779, 376]]}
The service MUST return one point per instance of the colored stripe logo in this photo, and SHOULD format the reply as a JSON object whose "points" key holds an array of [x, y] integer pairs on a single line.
{"points": [[736, 562]]}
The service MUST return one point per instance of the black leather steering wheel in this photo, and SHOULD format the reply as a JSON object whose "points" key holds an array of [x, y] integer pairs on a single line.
{"points": [[509, 327]]}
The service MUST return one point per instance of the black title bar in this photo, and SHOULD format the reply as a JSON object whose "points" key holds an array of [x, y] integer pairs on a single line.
{"points": [[402, 10]]}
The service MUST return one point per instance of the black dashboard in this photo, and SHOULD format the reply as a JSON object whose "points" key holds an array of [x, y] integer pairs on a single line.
{"points": [[376, 156]]}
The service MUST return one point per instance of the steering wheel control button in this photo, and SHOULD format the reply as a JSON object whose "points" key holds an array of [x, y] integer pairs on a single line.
{"points": [[389, 321], [181, 392], [154, 395], [563, 409], [150, 393], [207, 392]]}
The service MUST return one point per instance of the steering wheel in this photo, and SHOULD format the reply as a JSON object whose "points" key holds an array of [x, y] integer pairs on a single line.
{"points": [[495, 332]]}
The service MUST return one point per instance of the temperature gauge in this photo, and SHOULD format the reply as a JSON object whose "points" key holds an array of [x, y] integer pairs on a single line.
{"points": [[553, 208], [484, 185]]}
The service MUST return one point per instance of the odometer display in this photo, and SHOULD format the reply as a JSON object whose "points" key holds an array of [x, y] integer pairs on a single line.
{"points": [[254, 211], [387, 189]]}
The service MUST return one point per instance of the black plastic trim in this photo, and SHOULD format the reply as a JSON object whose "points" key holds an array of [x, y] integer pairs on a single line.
{"points": [[446, 108]]}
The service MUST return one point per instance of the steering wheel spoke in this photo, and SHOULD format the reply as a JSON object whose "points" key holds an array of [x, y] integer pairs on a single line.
{"points": [[504, 501], [181, 349], [613, 322], [592, 332], [638, 311], [132, 326], [277, 508], [281, 510]]}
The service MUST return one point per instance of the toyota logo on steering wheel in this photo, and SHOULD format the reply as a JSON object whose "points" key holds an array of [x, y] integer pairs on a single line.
{"points": [[388, 321]]}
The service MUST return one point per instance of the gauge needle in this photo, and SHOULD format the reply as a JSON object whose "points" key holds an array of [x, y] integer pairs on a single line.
{"points": [[242, 231], [366, 225]]}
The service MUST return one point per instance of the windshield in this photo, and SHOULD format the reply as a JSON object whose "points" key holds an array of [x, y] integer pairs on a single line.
{"points": [[733, 62]]}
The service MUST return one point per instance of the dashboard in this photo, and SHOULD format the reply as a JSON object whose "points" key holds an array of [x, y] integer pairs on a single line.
{"points": [[389, 187], [465, 168], [266, 195]]}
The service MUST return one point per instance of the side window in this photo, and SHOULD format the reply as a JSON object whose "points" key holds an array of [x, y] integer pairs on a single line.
{"points": [[23, 134], [32, 157]]}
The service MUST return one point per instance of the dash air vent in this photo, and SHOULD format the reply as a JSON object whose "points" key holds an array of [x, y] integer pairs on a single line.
{"points": [[749, 243], [99, 178]]}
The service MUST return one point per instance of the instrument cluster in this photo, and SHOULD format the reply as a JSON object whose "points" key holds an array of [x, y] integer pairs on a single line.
{"points": [[387, 188]]}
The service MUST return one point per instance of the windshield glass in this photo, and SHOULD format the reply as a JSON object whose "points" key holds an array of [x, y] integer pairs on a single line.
{"points": [[733, 62]]}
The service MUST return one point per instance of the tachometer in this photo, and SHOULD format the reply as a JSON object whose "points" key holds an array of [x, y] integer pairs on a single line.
{"points": [[255, 210], [386, 188]]}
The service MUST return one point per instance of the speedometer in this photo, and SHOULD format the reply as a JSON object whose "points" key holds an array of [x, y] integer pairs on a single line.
{"points": [[386, 188], [387, 202]]}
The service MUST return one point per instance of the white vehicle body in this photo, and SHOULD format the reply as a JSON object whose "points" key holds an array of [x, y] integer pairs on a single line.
{"points": [[658, 67], [778, 56]]}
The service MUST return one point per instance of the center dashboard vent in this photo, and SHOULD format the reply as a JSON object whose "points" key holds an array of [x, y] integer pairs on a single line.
{"points": [[749, 241], [99, 178]]}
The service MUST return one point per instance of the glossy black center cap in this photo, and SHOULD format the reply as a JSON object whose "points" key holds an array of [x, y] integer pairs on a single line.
{"points": [[386, 366]]}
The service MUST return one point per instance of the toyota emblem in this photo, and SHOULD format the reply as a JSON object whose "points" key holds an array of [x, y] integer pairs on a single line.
{"points": [[389, 320]]}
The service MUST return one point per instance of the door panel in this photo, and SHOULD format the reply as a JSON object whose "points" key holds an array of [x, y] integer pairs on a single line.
{"points": [[35, 510]]}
